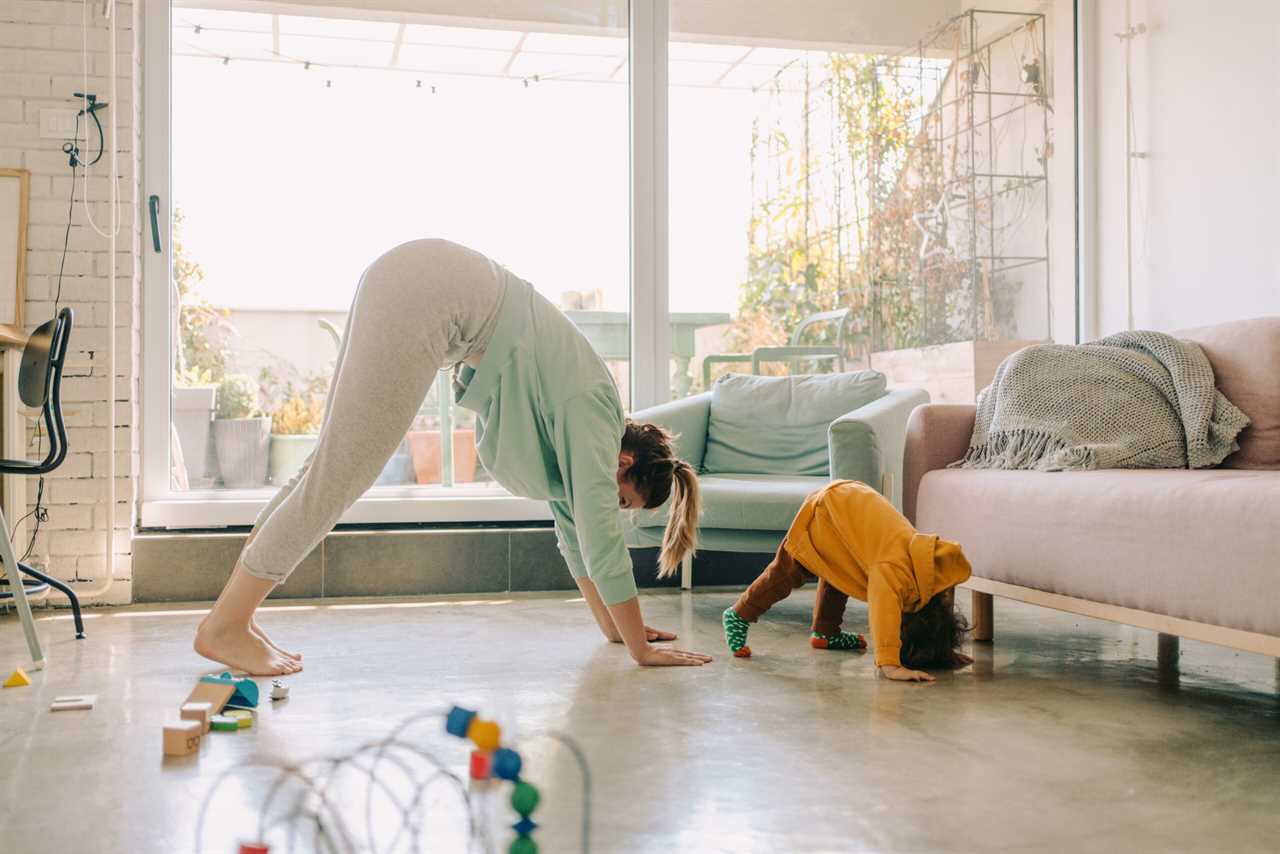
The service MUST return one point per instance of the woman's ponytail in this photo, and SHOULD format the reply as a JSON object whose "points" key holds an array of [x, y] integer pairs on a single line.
{"points": [[681, 536], [660, 475]]}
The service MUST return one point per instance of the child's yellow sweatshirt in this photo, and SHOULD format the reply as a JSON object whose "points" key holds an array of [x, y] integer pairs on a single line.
{"points": [[848, 534]]}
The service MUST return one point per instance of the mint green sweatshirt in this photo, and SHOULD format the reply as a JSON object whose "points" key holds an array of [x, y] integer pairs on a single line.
{"points": [[549, 426]]}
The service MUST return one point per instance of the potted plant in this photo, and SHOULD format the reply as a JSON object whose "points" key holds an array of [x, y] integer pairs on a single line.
{"points": [[241, 433], [295, 426], [193, 403]]}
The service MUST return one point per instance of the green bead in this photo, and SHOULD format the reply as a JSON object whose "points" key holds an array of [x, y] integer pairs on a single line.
{"points": [[523, 845], [524, 798]]}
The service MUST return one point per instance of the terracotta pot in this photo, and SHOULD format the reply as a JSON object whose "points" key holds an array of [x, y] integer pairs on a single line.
{"points": [[424, 446]]}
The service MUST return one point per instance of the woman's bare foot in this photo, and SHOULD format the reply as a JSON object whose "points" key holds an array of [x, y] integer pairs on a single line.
{"points": [[240, 649], [266, 638]]}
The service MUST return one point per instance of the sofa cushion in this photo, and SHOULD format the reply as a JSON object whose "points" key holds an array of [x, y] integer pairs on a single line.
{"points": [[1245, 356], [1202, 545], [744, 502], [778, 425]]}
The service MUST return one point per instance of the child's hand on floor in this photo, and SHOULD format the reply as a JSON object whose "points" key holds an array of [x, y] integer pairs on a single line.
{"points": [[904, 674], [961, 660]]}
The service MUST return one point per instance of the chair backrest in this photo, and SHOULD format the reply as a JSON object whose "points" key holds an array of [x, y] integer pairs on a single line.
{"points": [[40, 383], [839, 316]]}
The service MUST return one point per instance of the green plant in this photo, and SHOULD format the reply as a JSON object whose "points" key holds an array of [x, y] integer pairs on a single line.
{"points": [[202, 328], [298, 415], [237, 397]]}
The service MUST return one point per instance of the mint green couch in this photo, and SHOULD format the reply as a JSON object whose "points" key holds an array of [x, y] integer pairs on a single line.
{"points": [[837, 426]]}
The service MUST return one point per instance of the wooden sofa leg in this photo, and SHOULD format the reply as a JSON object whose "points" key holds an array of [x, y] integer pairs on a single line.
{"points": [[686, 572], [983, 628], [1167, 659]]}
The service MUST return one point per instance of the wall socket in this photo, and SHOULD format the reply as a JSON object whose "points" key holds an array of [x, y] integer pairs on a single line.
{"points": [[58, 123]]}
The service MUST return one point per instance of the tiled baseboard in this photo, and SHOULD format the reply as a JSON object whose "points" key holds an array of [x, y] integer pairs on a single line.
{"points": [[178, 567]]}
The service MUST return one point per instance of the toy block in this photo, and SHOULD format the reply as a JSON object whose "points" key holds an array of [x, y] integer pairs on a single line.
{"points": [[242, 717], [216, 694], [251, 848], [18, 679], [279, 690], [222, 723], [73, 703], [181, 738], [244, 693], [199, 712]]}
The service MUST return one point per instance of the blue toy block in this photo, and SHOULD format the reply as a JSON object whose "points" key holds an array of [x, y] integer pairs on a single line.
{"points": [[458, 721], [246, 693], [506, 764]]}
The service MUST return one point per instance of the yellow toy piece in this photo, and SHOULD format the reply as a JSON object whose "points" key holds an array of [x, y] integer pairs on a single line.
{"points": [[486, 734], [241, 716], [19, 679]]}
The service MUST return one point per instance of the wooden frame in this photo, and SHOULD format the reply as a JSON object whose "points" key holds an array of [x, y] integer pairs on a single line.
{"points": [[14, 333], [1207, 632]]}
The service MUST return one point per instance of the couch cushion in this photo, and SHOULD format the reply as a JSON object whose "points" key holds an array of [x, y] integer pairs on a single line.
{"points": [[778, 425], [1245, 356], [744, 502], [1202, 545]]}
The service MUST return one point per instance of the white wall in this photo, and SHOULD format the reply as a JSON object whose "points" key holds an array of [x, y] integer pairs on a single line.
{"points": [[40, 66], [1206, 93]]}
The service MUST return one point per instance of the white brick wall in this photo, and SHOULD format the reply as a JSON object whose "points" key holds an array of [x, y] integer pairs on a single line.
{"points": [[40, 66]]}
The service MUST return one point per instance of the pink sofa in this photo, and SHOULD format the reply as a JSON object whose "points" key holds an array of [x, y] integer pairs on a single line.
{"points": [[1185, 553]]}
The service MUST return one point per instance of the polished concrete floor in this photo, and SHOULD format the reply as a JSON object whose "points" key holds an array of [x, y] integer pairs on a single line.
{"points": [[1060, 738]]}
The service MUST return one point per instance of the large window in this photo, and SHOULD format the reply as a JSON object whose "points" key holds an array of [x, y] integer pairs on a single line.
{"points": [[702, 186], [884, 204], [304, 142]]}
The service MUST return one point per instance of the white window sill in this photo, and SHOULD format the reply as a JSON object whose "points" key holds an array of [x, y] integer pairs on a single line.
{"points": [[382, 505]]}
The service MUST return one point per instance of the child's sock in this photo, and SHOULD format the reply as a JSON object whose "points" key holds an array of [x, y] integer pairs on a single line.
{"points": [[840, 640], [735, 634]]}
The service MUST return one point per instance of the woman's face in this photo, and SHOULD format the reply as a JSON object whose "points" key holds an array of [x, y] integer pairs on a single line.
{"points": [[629, 498]]}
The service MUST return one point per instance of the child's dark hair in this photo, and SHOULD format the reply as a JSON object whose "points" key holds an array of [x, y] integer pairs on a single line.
{"points": [[932, 634], [659, 474]]}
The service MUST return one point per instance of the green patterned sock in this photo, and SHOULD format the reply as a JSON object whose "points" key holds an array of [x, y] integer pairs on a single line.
{"points": [[841, 640], [735, 633]]}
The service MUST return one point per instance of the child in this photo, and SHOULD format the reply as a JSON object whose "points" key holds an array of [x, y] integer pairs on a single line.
{"points": [[859, 545]]}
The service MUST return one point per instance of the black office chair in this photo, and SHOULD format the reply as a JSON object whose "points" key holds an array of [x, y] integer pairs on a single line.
{"points": [[40, 385]]}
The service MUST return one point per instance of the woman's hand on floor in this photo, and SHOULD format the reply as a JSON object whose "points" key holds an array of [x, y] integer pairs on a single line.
{"points": [[904, 674], [665, 656]]}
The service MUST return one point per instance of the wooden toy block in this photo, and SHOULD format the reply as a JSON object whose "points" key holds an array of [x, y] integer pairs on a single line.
{"points": [[216, 694], [73, 703], [244, 693], [222, 723], [18, 679], [199, 712], [181, 738]]}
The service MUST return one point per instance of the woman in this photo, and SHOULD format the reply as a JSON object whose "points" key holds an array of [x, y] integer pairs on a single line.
{"points": [[549, 426]]}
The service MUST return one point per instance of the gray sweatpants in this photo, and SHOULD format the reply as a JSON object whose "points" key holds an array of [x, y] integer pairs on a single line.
{"points": [[421, 307]]}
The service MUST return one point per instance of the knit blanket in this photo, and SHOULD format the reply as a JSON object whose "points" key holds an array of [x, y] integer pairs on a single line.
{"points": [[1131, 400]]}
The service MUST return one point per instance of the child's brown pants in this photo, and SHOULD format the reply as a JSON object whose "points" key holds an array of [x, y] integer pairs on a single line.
{"points": [[780, 577]]}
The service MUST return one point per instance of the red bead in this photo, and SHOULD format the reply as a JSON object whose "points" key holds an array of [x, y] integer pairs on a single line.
{"points": [[481, 765], [250, 848]]}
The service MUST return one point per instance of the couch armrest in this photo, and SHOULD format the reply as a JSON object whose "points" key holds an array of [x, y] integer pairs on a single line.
{"points": [[689, 418], [937, 435], [867, 443]]}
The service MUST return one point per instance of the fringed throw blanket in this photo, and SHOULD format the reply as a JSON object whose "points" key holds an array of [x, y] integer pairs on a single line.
{"points": [[1132, 400]]}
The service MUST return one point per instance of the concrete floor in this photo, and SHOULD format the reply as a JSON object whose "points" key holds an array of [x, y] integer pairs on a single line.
{"points": [[1059, 738]]}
